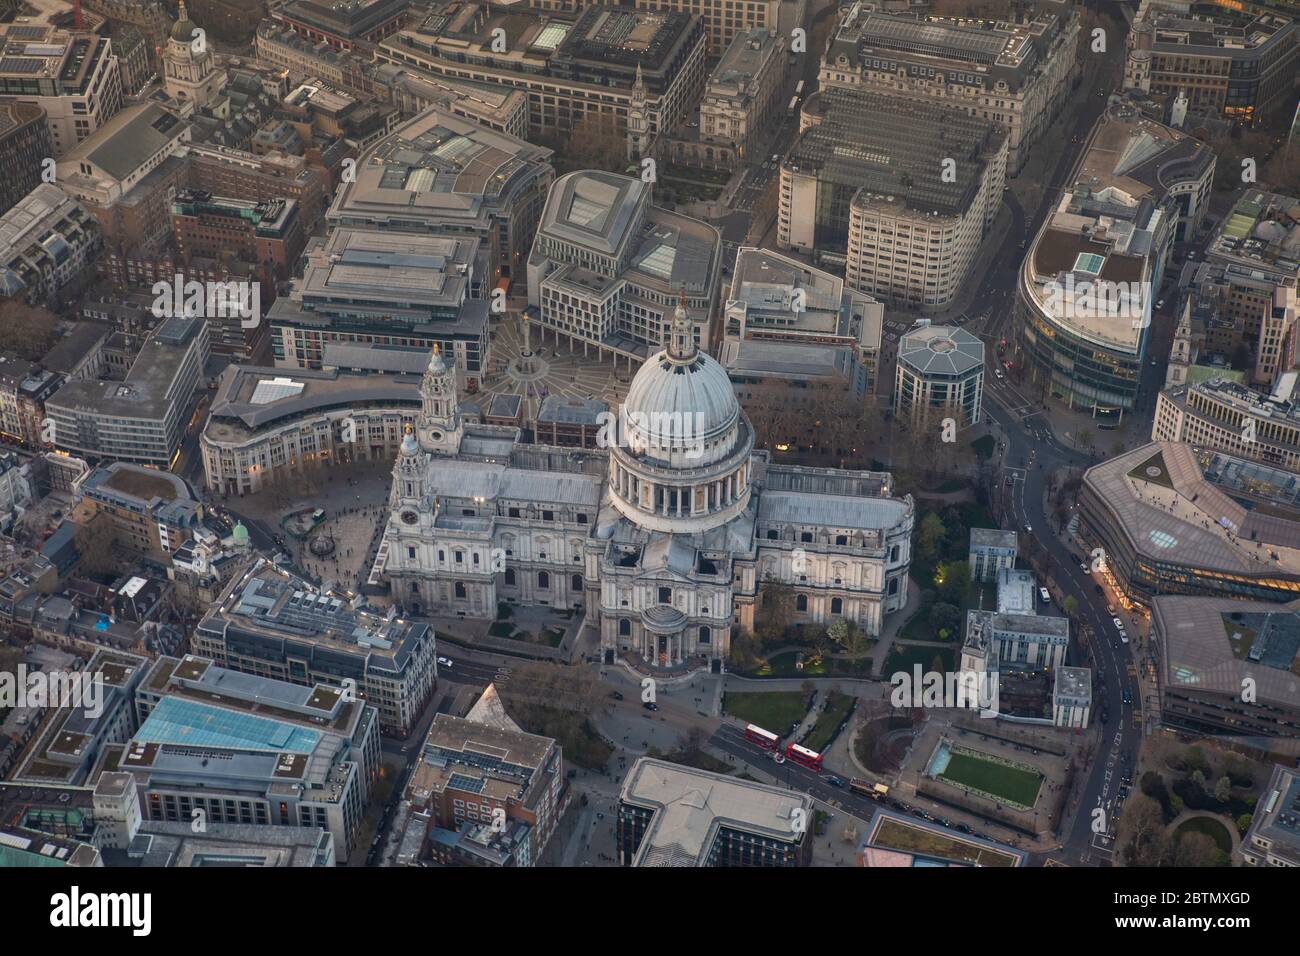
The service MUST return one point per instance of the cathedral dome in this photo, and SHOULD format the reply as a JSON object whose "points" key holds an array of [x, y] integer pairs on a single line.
{"points": [[671, 404], [183, 29]]}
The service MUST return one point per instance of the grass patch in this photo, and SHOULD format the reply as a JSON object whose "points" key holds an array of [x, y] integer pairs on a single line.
{"points": [[1008, 784], [776, 711], [1211, 827], [837, 708], [903, 657], [696, 758], [783, 665], [1154, 471], [899, 835], [984, 446]]}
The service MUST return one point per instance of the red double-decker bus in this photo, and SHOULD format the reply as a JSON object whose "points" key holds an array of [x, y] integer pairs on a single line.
{"points": [[764, 738], [804, 757]]}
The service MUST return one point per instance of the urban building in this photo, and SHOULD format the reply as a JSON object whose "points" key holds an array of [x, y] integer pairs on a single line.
{"points": [[940, 375], [445, 176], [144, 418], [250, 749], [223, 171], [1072, 697], [47, 246], [1223, 415], [663, 540], [73, 77], [992, 551], [1237, 62], [896, 839], [1274, 835], [274, 624], [724, 20], [76, 736], [607, 267], [501, 108], [151, 512], [342, 25], [473, 774], [23, 847], [630, 72], [266, 427], [189, 70], [24, 147], [743, 97], [126, 172], [998, 641], [386, 289], [1175, 520], [24, 389], [267, 233], [16, 486], [570, 422], [133, 59], [1249, 275], [673, 815], [1015, 72], [1208, 649], [79, 353], [865, 181], [1091, 277], [777, 300]]}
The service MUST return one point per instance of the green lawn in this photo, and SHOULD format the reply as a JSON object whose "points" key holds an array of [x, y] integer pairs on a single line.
{"points": [[904, 656], [775, 711], [783, 665], [837, 708], [1011, 784], [1211, 827]]}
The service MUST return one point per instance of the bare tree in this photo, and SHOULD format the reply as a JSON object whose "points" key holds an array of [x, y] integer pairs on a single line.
{"points": [[25, 330]]}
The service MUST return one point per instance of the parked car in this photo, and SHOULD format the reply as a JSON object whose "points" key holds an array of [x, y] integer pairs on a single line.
{"points": [[1042, 593], [1123, 637], [650, 705], [444, 662], [1118, 623]]}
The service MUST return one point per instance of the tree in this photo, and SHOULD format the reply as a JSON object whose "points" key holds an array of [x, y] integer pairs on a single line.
{"points": [[945, 619], [1196, 849], [1070, 605], [596, 143], [775, 612], [1140, 834], [930, 536], [95, 541], [849, 636], [1243, 822], [1087, 440], [745, 651], [1222, 789], [25, 330], [952, 578]]}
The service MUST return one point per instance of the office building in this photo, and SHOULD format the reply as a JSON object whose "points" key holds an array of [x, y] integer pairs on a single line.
{"points": [[631, 73], [266, 427], [673, 815], [1209, 650], [445, 176], [1173, 519], [1015, 72], [24, 389], [1223, 415], [1235, 62], [940, 375], [1274, 835], [607, 267], [144, 418], [342, 25], [866, 180], [267, 233], [218, 745], [1090, 279], [24, 147], [274, 624], [151, 513], [47, 246], [386, 289], [992, 551], [724, 20], [743, 98]]}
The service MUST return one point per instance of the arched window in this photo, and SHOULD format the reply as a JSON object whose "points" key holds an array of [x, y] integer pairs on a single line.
{"points": [[893, 586], [510, 576], [837, 605], [801, 603], [624, 627], [543, 581], [706, 636], [893, 554]]}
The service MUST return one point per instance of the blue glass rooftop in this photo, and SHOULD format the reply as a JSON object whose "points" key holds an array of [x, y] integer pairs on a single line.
{"points": [[192, 723]]}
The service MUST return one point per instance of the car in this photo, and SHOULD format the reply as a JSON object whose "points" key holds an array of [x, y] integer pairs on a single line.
{"points": [[1029, 529], [1123, 637], [964, 828], [997, 373], [1154, 363], [616, 695], [650, 705], [776, 159], [1083, 567], [1118, 623], [834, 781], [1128, 696], [1110, 609], [778, 757], [1042, 593], [444, 662]]}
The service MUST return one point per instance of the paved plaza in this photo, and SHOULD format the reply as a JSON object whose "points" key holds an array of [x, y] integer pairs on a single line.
{"points": [[554, 369]]}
